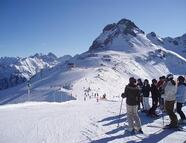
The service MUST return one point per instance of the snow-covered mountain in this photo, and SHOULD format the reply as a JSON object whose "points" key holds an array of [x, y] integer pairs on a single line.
{"points": [[14, 71], [120, 51], [177, 44], [126, 36], [121, 36]]}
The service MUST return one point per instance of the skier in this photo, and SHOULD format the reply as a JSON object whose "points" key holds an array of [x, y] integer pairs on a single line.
{"points": [[146, 92], [140, 85], [170, 97], [97, 98], [180, 98], [132, 98], [155, 95], [104, 96], [85, 96], [29, 89], [161, 86]]}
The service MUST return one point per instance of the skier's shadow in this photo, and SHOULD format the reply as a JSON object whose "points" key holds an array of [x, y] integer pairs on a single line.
{"points": [[108, 139], [153, 138], [113, 120], [146, 119], [122, 121]]}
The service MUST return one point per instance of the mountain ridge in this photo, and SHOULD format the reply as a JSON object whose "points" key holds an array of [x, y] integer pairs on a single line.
{"points": [[16, 70], [128, 32]]}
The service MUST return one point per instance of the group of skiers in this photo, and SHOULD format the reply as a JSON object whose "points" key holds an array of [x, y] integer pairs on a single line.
{"points": [[165, 93]]}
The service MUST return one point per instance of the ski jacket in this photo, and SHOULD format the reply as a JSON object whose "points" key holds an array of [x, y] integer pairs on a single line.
{"points": [[140, 88], [154, 91], [160, 86], [181, 93], [146, 90], [169, 92], [160, 83], [132, 94]]}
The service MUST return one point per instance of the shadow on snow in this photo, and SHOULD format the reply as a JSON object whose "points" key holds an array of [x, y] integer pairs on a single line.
{"points": [[114, 120]]}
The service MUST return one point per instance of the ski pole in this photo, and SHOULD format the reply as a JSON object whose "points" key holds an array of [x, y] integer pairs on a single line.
{"points": [[163, 118], [119, 116], [163, 112]]}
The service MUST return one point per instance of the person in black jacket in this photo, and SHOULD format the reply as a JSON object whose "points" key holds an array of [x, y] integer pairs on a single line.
{"points": [[132, 99], [155, 96], [161, 86], [146, 92], [140, 85]]}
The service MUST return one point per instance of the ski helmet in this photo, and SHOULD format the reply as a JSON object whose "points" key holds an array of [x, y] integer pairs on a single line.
{"points": [[181, 79], [170, 76]]}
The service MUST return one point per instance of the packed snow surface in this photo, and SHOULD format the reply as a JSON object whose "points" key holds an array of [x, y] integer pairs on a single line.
{"points": [[77, 122]]}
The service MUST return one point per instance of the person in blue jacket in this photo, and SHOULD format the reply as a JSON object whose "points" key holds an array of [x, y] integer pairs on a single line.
{"points": [[180, 98]]}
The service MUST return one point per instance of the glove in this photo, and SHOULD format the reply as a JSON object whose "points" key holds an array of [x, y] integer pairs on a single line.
{"points": [[123, 95]]}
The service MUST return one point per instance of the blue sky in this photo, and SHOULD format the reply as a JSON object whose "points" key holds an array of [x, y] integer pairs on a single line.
{"points": [[70, 26]]}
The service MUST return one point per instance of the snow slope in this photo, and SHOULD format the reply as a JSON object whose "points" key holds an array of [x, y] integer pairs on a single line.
{"points": [[76, 122], [99, 72]]}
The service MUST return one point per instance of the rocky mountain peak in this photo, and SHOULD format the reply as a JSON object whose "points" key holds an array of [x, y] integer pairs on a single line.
{"points": [[123, 27], [153, 34], [128, 23]]}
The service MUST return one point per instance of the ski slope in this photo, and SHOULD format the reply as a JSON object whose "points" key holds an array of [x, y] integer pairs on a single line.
{"points": [[76, 122], [101, 72], [45, 116]]}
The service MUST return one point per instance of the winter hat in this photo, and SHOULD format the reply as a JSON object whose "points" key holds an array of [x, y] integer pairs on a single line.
{"points": [[170, 77], [181, 79]]}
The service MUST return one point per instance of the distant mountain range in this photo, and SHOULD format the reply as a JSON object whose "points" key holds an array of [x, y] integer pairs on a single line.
{"points": [[14, 71]]}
